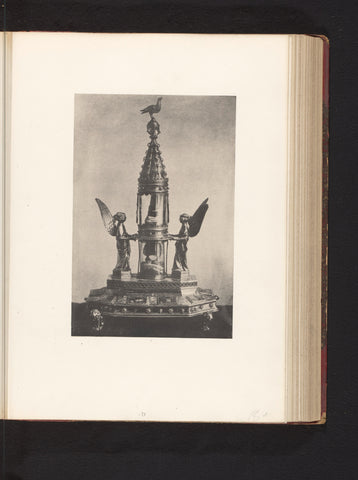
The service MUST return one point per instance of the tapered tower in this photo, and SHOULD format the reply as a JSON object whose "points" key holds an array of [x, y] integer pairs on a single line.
{"points": [[153, 210]]}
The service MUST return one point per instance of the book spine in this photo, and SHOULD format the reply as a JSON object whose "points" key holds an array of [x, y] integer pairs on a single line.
{"points": [[325, 148]]}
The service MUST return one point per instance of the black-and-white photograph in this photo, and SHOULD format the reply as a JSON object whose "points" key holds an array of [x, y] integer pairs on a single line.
{"points": [[153, 215]]}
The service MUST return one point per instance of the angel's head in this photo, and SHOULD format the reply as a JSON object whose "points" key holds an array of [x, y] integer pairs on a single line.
{"points": [[184, 217], [120, 217]]}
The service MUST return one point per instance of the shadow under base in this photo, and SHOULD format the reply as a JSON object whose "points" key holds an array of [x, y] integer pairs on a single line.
{"points": [[220, 326]]}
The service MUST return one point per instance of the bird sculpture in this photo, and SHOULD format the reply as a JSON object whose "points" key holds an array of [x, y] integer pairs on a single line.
{"points": [[153, 108]]}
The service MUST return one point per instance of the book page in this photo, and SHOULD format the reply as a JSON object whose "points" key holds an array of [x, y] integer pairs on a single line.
{"points": [[76, 101]]}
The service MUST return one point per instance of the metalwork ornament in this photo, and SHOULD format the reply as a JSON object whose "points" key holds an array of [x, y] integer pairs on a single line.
{"points": [[152, 291]]}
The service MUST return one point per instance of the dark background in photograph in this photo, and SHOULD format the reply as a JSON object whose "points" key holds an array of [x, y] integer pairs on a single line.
{"points": [[106, 450]]}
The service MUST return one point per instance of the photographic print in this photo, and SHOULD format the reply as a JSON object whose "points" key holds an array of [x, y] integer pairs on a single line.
{"points": [[153, 215]]}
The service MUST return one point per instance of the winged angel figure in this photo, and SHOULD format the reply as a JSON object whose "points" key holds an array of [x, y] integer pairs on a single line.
{"points": [[190, 228], [115, 226]]}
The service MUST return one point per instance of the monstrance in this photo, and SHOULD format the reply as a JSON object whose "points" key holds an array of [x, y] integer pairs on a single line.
{"points": [[152, 291]]}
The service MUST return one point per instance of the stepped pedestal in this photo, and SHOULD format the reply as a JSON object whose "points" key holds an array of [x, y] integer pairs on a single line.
{"points": [[138, 297]]}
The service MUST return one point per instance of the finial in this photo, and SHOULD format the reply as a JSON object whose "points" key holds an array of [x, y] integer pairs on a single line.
{"points": [[153, 128]]}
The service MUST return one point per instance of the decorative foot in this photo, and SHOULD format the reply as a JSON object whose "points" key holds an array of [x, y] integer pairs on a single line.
{"points": [[97, 320], [208, 316]]}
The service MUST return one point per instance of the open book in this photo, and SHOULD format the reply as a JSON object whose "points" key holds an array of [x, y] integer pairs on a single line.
{"points": [[165, 227]]}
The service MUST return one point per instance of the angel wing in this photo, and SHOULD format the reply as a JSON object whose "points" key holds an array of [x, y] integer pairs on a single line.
{"points": [[106, 217], [196, 220]]}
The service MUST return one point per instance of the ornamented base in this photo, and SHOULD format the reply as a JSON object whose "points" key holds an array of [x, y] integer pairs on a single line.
{"points": [[137, 297]]}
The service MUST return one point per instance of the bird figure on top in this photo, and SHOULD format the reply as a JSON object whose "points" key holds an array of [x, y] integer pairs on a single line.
{"points": [[151, 109]]}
